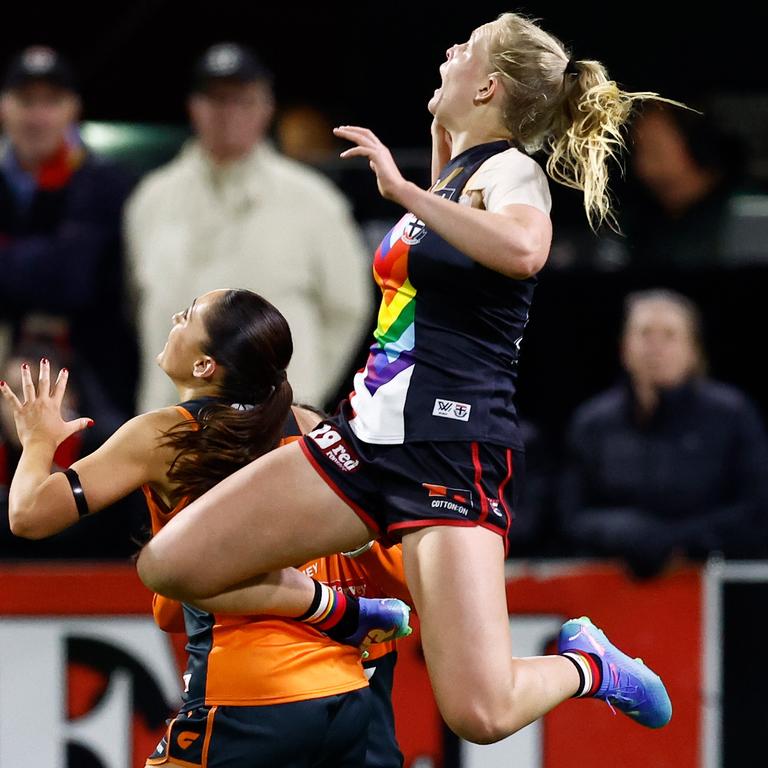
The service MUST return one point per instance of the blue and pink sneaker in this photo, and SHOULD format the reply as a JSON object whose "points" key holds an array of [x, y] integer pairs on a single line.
{"points": [[381, 620], [627, 684]]}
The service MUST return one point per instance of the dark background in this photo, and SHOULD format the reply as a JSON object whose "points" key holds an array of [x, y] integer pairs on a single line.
{"points": [[376, 63]]}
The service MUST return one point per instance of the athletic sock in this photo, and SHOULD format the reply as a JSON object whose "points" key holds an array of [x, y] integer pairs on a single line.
{"points": [[332, 612], [590, 671]]}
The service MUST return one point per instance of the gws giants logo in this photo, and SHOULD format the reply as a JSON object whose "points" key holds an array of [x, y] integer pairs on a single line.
{"points": [[450, 499], [187, 738], [334, 448]]}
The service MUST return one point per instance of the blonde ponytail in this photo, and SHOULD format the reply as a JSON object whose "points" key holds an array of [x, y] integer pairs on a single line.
{"points": [[572, 110], [587, 133]]}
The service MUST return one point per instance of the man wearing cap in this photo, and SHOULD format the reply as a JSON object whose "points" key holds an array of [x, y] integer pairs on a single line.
{"points": [[230, 211], [61, 270]]}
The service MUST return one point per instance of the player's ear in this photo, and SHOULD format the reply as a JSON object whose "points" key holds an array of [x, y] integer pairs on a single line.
{"points": [[487, 90], [204, 367]]}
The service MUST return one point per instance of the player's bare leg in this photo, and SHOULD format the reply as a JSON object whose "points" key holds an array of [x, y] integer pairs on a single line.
{"points": [[275, 513], [456, 577]]}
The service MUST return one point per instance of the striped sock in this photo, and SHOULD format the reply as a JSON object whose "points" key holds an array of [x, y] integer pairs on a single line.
{"points": [[332, 612], [590, 672]]}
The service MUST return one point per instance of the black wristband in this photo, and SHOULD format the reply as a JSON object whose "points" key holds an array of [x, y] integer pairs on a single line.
{"points": [[77, 492], [315, 602]]}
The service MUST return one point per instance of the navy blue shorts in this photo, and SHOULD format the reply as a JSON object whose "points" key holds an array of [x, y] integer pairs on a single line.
{"points": [[382, 751], [398, 488], [330, 732]]}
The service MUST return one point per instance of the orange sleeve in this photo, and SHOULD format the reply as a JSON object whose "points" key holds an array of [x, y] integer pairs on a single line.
{"points": [[169, 615], [384, 569]]}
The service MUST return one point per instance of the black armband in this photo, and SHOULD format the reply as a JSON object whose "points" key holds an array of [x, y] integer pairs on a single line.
{"points": [[77, 491]]}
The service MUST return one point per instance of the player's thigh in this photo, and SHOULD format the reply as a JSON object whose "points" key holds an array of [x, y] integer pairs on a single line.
{"points": [[274, 513], [456, 577]]}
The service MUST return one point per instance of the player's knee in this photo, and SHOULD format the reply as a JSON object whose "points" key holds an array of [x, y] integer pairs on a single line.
{"points": [[151, 572], [478, 723], [162, 575]]}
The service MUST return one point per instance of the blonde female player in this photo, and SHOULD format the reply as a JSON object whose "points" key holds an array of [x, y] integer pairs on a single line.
{"points": [[427, 449], [258, 692]]}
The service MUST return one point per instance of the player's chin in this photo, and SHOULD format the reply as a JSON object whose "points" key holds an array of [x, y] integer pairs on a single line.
{"points": [[433, 103]]}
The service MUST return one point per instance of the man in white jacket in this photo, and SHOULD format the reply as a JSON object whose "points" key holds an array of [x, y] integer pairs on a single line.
{"points": [[230, 211]]}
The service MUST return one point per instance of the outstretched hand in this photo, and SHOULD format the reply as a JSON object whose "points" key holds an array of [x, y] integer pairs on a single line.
{"points": [[391, 183], [38, 418]]}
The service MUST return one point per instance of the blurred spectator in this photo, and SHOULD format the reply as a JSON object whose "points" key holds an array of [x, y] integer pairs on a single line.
{"points": [[688, 173], [112, 534], [61, 270], [304, 133], [231, 211], [668, 462], [531, 533]]}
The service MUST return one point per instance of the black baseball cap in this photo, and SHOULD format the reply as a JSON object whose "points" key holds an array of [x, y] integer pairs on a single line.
{"points": [[228, 61], [38, 63]]}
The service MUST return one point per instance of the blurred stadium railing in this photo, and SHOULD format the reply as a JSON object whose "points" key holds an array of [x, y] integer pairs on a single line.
{"points": [[87, 680]]}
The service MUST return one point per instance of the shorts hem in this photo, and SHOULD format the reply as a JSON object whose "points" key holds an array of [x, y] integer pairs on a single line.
{"points": [[446, 521], [304, 696], [167, 761], [358, 510]]}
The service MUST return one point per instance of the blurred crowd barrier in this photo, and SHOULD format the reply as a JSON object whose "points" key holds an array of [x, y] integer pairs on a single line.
{"points": [[86, 674]]}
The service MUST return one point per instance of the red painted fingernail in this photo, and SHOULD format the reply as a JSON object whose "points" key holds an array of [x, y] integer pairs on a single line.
{"points": [[64, 370], [91, 422], [2, 383], [25, 366], [44, 361]]}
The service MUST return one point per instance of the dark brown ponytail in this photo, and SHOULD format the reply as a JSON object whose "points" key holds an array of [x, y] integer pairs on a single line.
{"points": [[251, 342]]}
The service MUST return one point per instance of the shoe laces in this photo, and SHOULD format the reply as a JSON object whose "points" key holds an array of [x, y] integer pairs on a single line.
{"points": [[624, 689]]}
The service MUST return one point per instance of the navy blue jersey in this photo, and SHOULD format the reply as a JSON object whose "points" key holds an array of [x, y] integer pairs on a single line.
{"points": [[443, 364]]}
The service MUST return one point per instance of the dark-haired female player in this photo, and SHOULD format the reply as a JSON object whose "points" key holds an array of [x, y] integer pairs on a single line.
{"points": [[257, 692]]}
